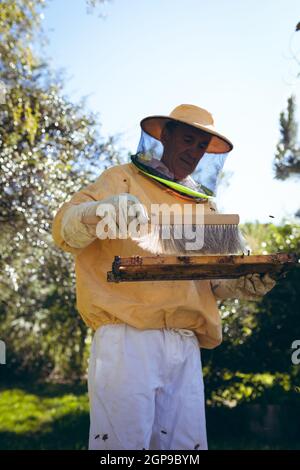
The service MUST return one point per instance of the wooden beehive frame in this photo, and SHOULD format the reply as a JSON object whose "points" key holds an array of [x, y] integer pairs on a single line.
{"points": [[164, 268]]}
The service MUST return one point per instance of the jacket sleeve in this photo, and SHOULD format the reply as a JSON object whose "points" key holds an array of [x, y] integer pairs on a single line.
{"points": [[109, 183]]}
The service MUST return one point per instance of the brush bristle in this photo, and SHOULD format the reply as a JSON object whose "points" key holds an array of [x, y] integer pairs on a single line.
{"points": [[173, 240]]}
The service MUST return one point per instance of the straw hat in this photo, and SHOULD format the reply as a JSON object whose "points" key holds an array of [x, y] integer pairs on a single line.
{"points": [[194, 116]]}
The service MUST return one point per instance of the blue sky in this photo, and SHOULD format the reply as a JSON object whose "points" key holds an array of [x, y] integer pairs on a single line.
{"points": [[231, 57]]}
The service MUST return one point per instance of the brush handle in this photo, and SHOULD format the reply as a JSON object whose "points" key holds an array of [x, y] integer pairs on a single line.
{"points": [[209, 219]]}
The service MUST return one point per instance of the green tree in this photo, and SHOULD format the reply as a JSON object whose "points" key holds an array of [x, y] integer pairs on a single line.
{"points": [[49, 148], [287, 157]]}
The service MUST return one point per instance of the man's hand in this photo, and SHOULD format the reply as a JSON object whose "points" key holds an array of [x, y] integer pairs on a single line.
{"points": [[82, 223], [257, 284], [249, 287], [120, 212]]}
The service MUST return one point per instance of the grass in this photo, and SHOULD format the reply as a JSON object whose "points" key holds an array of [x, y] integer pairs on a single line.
{"points": [[40, 420], [57, 417]]}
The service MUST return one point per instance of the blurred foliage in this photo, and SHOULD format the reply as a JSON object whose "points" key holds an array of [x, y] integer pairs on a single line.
{"points": [[49, 149], [44, 418], [23, 412], [56, 417]]}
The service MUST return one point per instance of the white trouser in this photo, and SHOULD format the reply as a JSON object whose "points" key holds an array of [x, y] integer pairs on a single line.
{"points": [[146, 390]]}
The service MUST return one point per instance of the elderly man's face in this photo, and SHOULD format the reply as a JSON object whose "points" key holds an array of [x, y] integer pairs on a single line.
{"points": [[184, 146]]}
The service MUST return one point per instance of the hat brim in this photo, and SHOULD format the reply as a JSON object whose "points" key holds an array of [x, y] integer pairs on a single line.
{"points": [[154, 125]]}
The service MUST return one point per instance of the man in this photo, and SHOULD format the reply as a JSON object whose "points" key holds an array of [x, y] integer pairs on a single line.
{"points": [[145, 376]]}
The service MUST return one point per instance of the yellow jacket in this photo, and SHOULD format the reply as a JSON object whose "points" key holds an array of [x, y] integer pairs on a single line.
{"points": [[157, 304]]}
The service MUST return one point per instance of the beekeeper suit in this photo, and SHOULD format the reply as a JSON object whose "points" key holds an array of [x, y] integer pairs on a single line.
{"points": [[145, 379]]}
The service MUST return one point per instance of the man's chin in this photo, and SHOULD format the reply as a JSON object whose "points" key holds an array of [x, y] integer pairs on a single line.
{"points": [[184, 173], [182, 176]]}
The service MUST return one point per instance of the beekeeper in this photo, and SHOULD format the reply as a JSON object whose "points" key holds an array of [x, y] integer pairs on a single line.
{"points": [[145, 378]]}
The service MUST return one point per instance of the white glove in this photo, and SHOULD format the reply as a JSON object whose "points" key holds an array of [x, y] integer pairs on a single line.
{"points": [[76, 233], [82, 224], [256, 284], [120, 213], [249, 287]]}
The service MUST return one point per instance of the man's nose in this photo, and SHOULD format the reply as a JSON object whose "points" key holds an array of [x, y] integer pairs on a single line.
{"points": [[195, 152]]}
